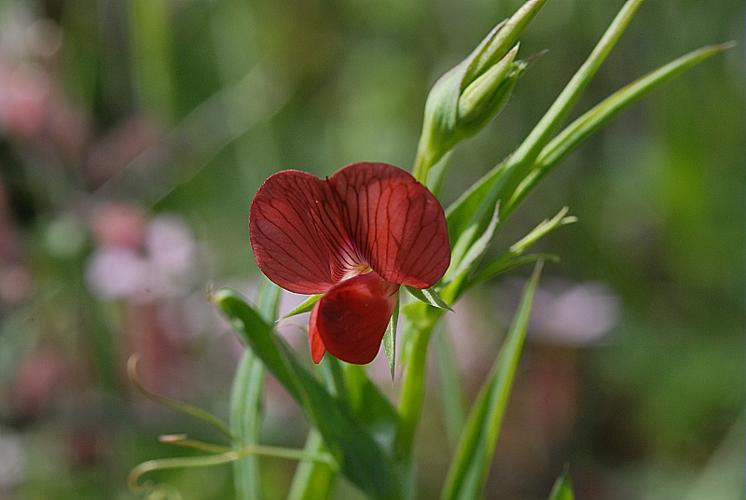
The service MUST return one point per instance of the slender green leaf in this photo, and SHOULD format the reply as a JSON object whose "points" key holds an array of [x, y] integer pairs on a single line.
{"points": [[245, 420], [360, 457], [562, 489], [507, 262], [389, 339], [450, 385], [462, 260], [371, 407], [246, 402], [468, 471], [545, 227], [304, 306], [582, 128], [429, 296], [314, 479]]}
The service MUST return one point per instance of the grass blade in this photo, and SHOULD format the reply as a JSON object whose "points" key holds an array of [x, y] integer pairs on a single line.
{"points": [[246, 403], [473, 457], [562, 489]]}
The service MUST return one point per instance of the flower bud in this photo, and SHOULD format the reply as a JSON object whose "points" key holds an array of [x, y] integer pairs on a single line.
{"points": [[487, 94], [468, 96]]}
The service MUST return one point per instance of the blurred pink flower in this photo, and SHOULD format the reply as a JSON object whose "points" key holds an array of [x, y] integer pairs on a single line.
{"points": [[143, 264], [24, 99], [574, 313]]}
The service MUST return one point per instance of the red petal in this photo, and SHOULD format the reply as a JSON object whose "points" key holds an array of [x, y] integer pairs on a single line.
{"points": [[317, 345], [351, 318], [297, 233], [396, 224]]}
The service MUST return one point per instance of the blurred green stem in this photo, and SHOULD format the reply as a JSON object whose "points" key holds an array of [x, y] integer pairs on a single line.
{"points": [[313, 480], [151, 48], [413, 386], [450, 385]]}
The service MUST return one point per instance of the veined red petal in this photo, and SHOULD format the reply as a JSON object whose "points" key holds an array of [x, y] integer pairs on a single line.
{"points": [[396, 223], [298, 234], [351, 318]]}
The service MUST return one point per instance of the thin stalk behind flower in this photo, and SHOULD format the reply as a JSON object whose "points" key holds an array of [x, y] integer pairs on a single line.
{"points": [[246, 403]]}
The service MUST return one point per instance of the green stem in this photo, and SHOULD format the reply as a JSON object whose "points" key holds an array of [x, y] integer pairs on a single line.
{"points": [[313, 480], [413, 388], [423, 161]]}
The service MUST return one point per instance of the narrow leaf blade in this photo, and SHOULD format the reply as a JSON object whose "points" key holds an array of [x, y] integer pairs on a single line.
{"points": [[468, 471], [304, 306], [562, 489], [389, 339], [463, 262], [246, 403], [430, 297]]}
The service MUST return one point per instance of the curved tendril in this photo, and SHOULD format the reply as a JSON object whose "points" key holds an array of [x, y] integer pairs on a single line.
{"points": [[225, 456], [180, 406]]}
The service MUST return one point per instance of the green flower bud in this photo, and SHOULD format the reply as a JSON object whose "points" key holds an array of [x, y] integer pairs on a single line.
{"points": [[484, 97], [469, 95]]}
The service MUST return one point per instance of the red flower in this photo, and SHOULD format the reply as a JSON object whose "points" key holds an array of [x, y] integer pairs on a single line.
{"points": [[355, 237]]}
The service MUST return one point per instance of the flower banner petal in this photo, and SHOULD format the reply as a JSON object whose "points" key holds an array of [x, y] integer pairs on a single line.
{"points": [[395, 222], [351, 318]]}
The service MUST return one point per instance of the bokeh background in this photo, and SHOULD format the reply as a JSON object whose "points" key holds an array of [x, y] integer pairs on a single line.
{"points": [[134, 133]]}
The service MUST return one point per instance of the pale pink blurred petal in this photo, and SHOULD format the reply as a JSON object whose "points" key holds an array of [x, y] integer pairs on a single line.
{"points": [[115, 273]]}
